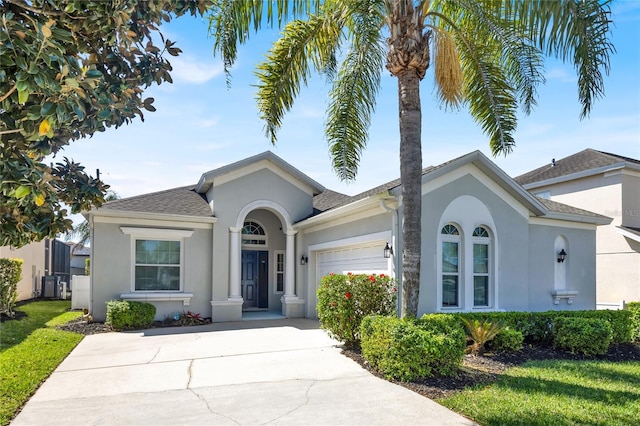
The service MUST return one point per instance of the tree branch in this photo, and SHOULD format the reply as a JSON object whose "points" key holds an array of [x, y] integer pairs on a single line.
{"points": [[6, 95]]}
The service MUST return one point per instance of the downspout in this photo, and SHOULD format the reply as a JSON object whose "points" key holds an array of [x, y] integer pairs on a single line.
{"points": [[91, 261], [395, 231]]}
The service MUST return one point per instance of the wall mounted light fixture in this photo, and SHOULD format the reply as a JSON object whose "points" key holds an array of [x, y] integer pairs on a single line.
{"points": [[388, 251], [562, 256], [303, 260]]}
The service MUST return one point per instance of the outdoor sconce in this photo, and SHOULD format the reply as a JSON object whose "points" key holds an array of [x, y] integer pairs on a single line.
{"points": [[388, 251], [561, 256], [303, 260]]}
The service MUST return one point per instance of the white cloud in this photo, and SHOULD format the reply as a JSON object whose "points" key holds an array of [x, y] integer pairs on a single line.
{"points": [[560, 74], [189, 70]]}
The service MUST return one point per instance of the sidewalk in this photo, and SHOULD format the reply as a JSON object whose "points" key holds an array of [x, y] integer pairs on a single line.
{"points": [[247, 373]]}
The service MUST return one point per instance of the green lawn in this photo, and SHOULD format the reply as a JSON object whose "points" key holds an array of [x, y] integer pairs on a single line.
{"points": [[30, 349], [556, 393]]}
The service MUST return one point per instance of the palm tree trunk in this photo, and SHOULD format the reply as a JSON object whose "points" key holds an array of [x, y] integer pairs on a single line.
{"points": [[411, 178]]}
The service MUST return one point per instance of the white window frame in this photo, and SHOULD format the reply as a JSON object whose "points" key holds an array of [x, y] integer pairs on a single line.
{"points": [[277, 272], [460, 241], [155, 234], [482, 241], [265, 237]]}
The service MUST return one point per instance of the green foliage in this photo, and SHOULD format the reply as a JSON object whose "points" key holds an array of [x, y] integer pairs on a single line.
{"points": [[29, 352], [87, 266], [537, 327], [407, 349], [344, 300], [68, 70], [480, 332], [555, 393], [184, 319], [124, 315], [10, 274], [634, 308], [587, 336], [507, 340]]}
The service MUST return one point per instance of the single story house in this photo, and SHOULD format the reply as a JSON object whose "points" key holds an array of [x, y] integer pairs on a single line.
{"points": [[608, 184], [260, 234]]}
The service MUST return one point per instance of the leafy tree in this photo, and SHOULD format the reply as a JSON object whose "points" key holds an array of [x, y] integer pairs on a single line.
{"points": [[82, 231], [487, 54], [68, 69]]}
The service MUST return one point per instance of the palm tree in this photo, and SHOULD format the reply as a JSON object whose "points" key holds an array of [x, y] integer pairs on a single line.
{"points": [[487, 54], [82, 231]]}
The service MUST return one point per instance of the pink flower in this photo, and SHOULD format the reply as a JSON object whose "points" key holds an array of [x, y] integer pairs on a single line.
{"points": [[372, 278], [395, 289], [347, 295], [332, 274], [382, 275]]}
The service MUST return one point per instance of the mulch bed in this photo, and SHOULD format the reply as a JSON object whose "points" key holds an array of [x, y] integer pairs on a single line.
{"points": [[486, 369]]}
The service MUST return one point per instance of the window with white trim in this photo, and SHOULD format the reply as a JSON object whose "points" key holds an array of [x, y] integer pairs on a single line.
{"points": [[157, 259], [253, 234], [279, 271], [450, 262], [481, 267], [157, 265]]}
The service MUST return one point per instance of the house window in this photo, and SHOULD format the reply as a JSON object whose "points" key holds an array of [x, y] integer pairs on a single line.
{"points": [[279, 281], [480, 267], [157, 265], [253, 235], [450, 266]]}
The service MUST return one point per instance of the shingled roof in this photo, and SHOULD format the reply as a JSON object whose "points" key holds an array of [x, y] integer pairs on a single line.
{"points": [[583, 161], [182, 201], [555, 207]]}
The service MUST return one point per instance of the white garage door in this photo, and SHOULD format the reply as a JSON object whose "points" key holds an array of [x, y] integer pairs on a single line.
{"points": [[363, 258]]}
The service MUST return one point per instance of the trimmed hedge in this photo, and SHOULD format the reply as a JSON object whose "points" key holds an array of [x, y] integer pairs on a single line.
{"points": [[124, 315], [538, 326], [406, 349], [589, 336], [10, 274], [507, 340], [634, 308]]}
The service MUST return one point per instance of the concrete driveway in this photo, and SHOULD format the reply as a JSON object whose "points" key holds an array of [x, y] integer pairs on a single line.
{"points": [[245, 373]]}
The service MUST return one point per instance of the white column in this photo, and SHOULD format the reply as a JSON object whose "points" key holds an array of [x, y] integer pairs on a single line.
{"points": [[290, 266], [234, 264]]}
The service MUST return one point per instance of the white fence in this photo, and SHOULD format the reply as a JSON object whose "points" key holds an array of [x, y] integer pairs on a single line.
{"points": [[614, 306], [80, 291]]}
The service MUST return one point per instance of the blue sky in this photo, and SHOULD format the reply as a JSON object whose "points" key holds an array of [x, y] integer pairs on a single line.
{"points": [[200, 125]]}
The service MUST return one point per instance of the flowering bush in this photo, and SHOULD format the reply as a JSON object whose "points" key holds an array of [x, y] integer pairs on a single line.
{"points": [[10, 274], [344, 300]]}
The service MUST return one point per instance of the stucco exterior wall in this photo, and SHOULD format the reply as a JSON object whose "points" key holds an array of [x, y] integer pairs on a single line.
{"points": [[229, 200], [32, 256], [579, 267], [617, 258], [112, 269], [510, 235]]}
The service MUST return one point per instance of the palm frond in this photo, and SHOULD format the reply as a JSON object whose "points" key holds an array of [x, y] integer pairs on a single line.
{"points": [[231, 22], [304, 46], [353, 95], [572, 30]]}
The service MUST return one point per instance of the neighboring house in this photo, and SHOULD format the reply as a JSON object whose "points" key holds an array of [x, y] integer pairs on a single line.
{"points": [[260, 234], [79, 255], [40, 259], [608, 184]]}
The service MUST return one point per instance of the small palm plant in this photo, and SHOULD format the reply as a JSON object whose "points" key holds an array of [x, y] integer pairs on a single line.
{"points": [[480, 333]]}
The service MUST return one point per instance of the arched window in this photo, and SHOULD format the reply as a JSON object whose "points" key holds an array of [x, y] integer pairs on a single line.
{"points": [[450, 236], [481, 267], [253, 234]]}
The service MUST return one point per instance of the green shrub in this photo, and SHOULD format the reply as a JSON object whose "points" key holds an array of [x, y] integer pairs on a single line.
{"points": [[87, 266], [406, 349], [634, 309], [10, 274], [124, 315], [588, 336], [344, 300], [507, 340], [537, 327]]}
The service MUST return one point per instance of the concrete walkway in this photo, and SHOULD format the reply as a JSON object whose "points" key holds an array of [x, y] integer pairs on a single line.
{"points": [[246, 373]]}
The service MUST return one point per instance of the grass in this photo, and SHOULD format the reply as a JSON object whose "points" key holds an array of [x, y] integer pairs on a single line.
{"points": [[30, 349], [556, 393]]}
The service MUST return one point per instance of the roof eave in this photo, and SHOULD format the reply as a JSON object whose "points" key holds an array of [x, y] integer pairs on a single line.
{"points": [[568, 217], [582, 174], [125, 214]]}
